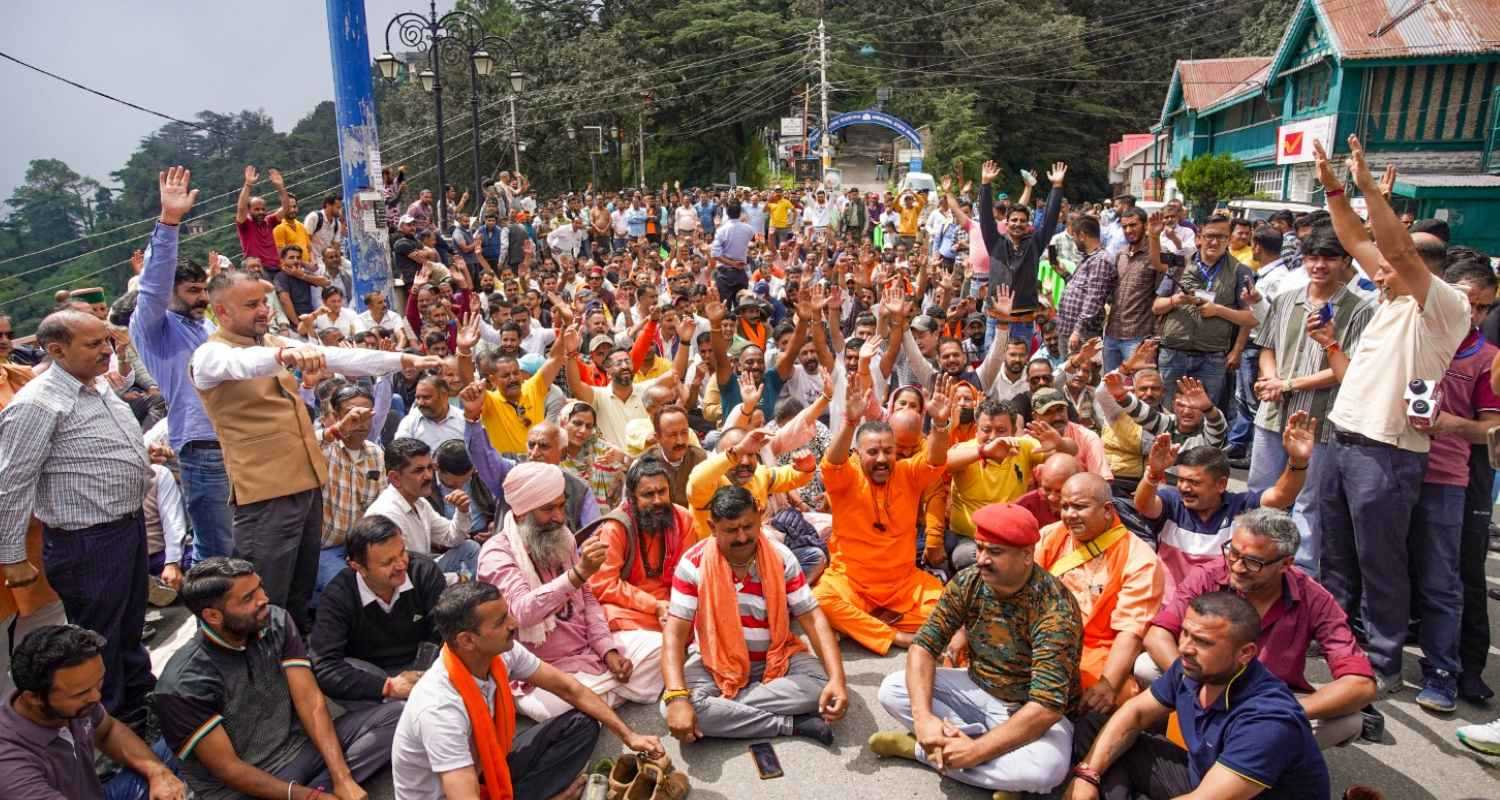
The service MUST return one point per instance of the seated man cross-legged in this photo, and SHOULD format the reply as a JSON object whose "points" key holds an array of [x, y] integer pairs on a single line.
{"points": [[375, 618], [241, 708], [734, 595], [1001, 725], [459, 725]]}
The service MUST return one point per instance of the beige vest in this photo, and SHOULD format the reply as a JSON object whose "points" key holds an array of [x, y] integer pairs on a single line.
{"points": [[269, 448]]}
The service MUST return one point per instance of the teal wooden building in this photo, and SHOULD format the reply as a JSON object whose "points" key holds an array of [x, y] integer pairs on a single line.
{"points": [[1417, 80]]}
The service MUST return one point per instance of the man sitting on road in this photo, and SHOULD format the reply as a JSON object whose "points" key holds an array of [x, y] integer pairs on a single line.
{"points": [[644, 538], [240, 706], [734, 596], [1045, 501], [375, 617], [738, 463], [458, 728], [1194, 518], [869, 592], [1116, 580], [995, 467], [542, 573], [1003, 725], [1246, 735], [53, 723], [1294, 611]]}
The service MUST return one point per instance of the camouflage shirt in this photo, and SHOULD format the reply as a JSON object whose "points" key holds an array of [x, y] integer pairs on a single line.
{"points": [[1021, 648]]}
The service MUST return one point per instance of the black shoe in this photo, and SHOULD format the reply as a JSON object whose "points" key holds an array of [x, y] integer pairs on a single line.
{"points": [[1494, 594], [1373, 729], [812, 726], [1471, 687], [1243, 462]]}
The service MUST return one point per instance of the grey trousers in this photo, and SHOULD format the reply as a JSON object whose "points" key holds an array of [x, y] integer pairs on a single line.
{"points": [[761, 709], [365, 736], [1038, 766], [282, 538]]}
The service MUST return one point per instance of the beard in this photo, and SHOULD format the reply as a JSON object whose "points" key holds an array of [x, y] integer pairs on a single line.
{"points": [[550, 544], [245, 625], [654, 520]]}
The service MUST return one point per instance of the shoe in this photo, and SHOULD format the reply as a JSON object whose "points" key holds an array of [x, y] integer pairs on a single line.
{"points": [[1239, 463], [1389, 684], [812, 726], [1471, 687], [643, 787], [671, 787], [622, 774], [893, 744], [1439, 692], [159, 594], [1372, 724], [1484, 738]]}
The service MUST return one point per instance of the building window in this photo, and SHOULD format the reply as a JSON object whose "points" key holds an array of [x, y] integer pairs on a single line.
{"points": [[1312, 88], [1268, 182], [1302, 183]]}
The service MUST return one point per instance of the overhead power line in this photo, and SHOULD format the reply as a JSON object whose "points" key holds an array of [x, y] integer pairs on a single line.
{"points": [[106, 95]]}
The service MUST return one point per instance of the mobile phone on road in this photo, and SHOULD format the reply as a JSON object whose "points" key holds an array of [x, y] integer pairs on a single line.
{"points": [[766, 762]]}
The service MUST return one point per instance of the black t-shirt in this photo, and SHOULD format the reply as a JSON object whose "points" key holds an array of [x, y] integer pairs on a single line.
{"points": [[406, 268], [299, 290]]}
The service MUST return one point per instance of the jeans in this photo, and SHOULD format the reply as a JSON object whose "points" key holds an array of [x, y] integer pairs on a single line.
{"points": [[206, 485], [1267, 461], [331, 561], [1245, 401], [1208, 368], [1117, 350], [1366, 495], [462, 559], [128, 784], [1432, 546], [729, 281]]}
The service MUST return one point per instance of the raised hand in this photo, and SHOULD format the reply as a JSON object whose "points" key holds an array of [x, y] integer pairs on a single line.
{"points": [[1359, 168], [1297, 439], [1057, 173], [1144, 357], [1191, 391], [1044, 433], [870, 349], [988, 172], [857, 400], [939, 404], [176, 199], [251, 175], [804, 460], [1388, 180], [892, 301], [276, 179], [687, 327], [1002, 301], [1114, 383], [472, 397], [1155, 224], [468, 333], [947, 183], [1163, 454], [1326, 175], [713, 309], [750, 392], [137, 260], [572, 339]]}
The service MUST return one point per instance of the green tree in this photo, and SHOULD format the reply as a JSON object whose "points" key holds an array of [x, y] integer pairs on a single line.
{"points": [[1260, 34], [1207, 179], [54, 205]]}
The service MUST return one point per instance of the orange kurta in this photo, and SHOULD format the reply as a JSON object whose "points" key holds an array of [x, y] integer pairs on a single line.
{"points": [[1118, 591], [629, 600], [872, 552]]}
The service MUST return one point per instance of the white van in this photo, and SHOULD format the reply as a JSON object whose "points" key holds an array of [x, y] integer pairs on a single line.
{"points": [[1258, 210]]}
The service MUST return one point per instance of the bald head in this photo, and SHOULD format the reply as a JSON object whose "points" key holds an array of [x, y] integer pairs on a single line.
{"points": [[1060, 467], [1089, 485], [1087, 510], [906, 424], [658, 396]]}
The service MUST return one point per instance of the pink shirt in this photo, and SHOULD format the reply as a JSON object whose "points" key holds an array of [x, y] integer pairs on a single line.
{"points": [[582, 636], [1090, 450], [979, 255]]}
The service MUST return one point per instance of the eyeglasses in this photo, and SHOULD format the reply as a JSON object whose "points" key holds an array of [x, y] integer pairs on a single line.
{"points": [[6, 335], [1214, 237], [1252, 564]]}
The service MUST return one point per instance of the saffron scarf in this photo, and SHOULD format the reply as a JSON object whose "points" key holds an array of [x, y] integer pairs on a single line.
{"points": [[754, 334], [492, 743], [721, 638]]}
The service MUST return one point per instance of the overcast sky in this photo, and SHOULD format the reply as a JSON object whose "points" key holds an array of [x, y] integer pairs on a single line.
{"points": [[176, 56]]}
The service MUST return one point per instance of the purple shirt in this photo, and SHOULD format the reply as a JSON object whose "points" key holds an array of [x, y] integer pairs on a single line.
{"points": [[1465, 393], [40, 763], [1305, 613], [582, 636]]}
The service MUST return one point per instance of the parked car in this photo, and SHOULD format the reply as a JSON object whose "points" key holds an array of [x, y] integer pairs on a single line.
{"points": [[1258, 210]]}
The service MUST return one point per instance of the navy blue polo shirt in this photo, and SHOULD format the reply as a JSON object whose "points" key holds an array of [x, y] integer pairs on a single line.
{"points": [[1255, 729]]}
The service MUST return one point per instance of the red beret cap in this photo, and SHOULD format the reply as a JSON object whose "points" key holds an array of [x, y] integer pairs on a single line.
{"points": [[1006, 524]]}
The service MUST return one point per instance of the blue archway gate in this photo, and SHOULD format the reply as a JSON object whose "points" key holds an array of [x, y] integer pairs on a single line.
{"points": [[872, 116]]}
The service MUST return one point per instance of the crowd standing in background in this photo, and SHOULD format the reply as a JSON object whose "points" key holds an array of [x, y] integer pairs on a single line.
{"points": [[669, 446]]}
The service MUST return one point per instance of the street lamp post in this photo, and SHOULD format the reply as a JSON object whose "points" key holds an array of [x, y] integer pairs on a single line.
{"points": [[456, 36]]}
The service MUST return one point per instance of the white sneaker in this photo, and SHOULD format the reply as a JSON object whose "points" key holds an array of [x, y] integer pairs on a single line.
{"points": [[1484, 738]]}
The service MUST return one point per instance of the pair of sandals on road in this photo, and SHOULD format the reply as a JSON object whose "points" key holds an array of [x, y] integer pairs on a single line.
{"points": [[635, 777]]}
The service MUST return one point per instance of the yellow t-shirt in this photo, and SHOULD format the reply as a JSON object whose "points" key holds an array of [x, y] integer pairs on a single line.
{"points": [[781, 213], [507, 424], [290, 231], [1122, 447], [985, 482], [1245, 255], [906, 225]]}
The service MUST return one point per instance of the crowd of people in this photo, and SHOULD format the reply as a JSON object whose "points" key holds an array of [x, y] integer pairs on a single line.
{"points": [[609, 447]]}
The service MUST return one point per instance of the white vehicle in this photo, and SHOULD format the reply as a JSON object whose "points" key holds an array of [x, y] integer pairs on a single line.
{"points": [[1258, 210], [917, 182]]}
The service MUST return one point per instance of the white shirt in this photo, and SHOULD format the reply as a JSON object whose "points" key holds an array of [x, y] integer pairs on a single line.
{"points": [[622, 230], [435, 734], [215, 362], [565, 240], [1402, 341], [538, 340], [430, 431], [817, 214], [1188, 242], [319, 237], [390, 321], [347, 322], [421, 527], [368, 596], [685, 219]]}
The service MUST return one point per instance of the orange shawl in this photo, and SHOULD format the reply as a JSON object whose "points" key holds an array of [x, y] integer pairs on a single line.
{"points": [[721, 639], [492, 743], [755, 335]]}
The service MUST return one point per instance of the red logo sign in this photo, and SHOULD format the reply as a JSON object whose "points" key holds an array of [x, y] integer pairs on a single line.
{"points": [[1291, 143]]}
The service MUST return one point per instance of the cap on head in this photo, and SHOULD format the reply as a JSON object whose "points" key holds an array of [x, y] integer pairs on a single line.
{"points": [[1006, 524], [1046, 399]]}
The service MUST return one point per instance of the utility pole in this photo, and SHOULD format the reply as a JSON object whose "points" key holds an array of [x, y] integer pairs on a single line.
{"points": [[827, 147], [806, 98], [515, 140]]}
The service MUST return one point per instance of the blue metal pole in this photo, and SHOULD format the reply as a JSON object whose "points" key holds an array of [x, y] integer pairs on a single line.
{"points": [[359, 149]]}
